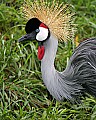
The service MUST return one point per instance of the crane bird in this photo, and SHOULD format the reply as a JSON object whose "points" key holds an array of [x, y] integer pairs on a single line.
{"points": [[47, 24]]}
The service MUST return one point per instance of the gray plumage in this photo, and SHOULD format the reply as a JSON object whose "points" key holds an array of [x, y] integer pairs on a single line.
{"points": [[78, 77]]}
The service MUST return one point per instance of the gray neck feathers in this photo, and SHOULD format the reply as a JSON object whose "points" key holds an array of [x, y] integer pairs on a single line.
{"points": [[58, 83]]}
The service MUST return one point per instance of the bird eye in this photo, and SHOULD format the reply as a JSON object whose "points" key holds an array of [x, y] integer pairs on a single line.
{"points": [[37, 30]]}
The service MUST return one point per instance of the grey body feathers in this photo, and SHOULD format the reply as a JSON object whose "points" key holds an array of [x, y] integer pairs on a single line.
{"points": [[78, 77]]}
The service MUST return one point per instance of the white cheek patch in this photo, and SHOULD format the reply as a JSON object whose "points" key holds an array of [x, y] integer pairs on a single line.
{"points": [[43, 34]]}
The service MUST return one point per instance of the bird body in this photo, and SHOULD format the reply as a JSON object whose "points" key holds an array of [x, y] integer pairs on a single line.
{"points": [[78, 77], [80, 74]]}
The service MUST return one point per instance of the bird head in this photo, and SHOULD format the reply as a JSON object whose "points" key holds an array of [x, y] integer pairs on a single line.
{"points": [[47, 17], [36, 30]]}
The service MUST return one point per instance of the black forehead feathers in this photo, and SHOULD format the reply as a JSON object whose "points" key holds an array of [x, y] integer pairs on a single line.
{"points": [[32, 25]]}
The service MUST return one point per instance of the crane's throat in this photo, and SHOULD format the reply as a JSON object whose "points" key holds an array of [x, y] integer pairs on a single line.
{"points": [[41, 51]]}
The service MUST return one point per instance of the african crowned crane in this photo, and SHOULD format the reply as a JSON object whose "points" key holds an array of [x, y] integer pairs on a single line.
{"points": [[80, 74]]}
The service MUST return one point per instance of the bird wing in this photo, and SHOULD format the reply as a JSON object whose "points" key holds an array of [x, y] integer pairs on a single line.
{"points": [[83, 62]]}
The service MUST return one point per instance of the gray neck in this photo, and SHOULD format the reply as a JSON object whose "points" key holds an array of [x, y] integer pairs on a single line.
{"points": [[47, 63], [60, 85]]}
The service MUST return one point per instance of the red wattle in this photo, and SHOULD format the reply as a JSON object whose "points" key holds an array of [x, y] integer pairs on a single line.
{"points": [[41, 51]]}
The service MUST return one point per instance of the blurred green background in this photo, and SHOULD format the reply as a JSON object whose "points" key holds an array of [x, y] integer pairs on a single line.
{"points": [[23, 95]]}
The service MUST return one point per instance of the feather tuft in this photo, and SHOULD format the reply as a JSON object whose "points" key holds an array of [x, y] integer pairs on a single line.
{"points": [[57, 16]]}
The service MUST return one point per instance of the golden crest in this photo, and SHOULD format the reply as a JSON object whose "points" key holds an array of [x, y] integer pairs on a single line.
{"points": [[57, 16]]}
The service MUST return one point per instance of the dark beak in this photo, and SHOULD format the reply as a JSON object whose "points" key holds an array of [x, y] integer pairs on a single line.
{"points": [[29, 36]]}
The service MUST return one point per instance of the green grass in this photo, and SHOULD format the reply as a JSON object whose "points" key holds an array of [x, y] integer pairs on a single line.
{"points": [[23, 95]]}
